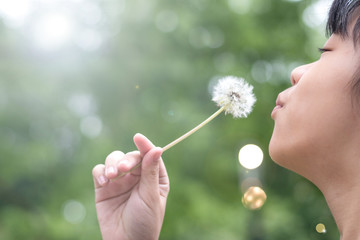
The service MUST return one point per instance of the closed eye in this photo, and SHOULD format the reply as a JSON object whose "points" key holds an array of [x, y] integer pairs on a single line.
{"points": [[322, 50]]}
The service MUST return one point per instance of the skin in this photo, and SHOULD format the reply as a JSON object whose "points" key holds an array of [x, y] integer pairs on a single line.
{"points": [[133, 206], [316, 132]]}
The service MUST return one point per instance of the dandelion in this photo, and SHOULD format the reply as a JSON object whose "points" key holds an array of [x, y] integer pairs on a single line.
{"points": [[233, 95]]}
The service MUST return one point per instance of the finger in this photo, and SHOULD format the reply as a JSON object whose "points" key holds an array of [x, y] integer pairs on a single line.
{"points": [[163, 176], [164, 183], [99, 177], [129, 162], [111, 163], [149, 181], [143, 144]]}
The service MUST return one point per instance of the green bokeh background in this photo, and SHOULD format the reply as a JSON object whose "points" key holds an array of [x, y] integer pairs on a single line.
{"points": [[145, 66]]}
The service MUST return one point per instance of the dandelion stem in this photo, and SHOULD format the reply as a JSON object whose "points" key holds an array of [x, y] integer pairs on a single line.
{"points": [[173, 143], [176, 141]]}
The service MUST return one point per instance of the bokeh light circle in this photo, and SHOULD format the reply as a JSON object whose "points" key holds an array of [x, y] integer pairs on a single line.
{"points": [[91, 126], [320, 228], [254, 198], [167, 21], [74, 211], [250, 156], [52, 30]]}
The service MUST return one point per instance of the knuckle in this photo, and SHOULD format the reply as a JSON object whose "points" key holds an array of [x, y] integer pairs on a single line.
{"points": [[133, 156], [117, 153], [154, 173], [133, 153]]}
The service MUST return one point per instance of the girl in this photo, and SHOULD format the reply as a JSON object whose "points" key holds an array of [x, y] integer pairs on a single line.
{"points": [[316, 134]]}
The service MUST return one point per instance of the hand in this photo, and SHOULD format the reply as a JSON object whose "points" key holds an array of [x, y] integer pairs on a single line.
{"points": [[131, 207]]}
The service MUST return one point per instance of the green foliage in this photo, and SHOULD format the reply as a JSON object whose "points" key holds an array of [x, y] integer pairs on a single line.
{"points": [[142, 79]]}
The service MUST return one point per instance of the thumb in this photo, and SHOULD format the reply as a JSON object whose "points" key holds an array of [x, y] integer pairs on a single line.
{"points": [[149, 181], [143, 144]]}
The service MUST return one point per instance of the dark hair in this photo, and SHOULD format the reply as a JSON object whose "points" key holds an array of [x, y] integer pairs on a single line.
{"points": [[340, 15]]}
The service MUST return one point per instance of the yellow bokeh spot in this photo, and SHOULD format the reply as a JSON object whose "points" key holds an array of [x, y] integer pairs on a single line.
{"points": [[320, 228], [254, 198], [137, 86]]}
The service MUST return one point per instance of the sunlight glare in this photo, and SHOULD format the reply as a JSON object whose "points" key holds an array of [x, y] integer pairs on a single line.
{"points": [[250, 156], [14, 12], [52, 31], [89, 40]]}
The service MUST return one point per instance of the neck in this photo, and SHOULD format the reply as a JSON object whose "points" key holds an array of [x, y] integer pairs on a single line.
{"points": [[343, 200]]}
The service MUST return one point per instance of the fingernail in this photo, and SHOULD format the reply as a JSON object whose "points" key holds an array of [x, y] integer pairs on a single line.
{"points": [[110, 170], [159, 149], [159, 153], [102, 180]]}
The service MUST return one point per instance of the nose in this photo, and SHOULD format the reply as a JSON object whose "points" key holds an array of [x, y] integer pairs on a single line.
{"points": [[298, 72]]}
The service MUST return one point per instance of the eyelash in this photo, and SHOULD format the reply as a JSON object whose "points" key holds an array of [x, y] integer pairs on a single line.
{"points": [[322, 50]]}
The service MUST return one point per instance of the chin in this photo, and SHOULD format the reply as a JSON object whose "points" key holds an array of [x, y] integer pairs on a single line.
{"points": [[285, 156], [281, 154], [275, 153], [278, 148]]}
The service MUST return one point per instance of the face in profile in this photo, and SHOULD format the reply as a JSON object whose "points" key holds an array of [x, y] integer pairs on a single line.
{"points": [[315, 118]]}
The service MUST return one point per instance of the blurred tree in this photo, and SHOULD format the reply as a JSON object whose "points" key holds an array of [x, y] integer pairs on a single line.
{"points": [[80, 78]]}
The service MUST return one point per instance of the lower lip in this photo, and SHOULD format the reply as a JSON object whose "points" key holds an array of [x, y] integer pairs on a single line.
{"points": [[276, 108]]}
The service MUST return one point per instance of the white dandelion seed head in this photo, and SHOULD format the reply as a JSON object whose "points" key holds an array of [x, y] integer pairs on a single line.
{"points": [[235, 95]]}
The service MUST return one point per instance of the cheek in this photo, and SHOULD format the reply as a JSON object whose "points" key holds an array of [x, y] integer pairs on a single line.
{"points": [[299, 126], [289, 125], [309, 126], [317, 117]]}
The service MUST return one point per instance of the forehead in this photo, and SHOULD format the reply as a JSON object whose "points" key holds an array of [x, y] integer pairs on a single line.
{"points": [[337, 43]]}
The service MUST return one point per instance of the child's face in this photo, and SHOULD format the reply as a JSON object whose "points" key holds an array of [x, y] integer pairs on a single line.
{"points": [[316, 118]]}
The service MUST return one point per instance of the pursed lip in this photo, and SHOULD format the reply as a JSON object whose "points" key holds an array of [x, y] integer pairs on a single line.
{"points": [[278, 106]]}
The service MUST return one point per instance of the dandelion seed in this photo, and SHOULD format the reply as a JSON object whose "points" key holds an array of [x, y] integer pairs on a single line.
{"points": [[233, 95]]}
